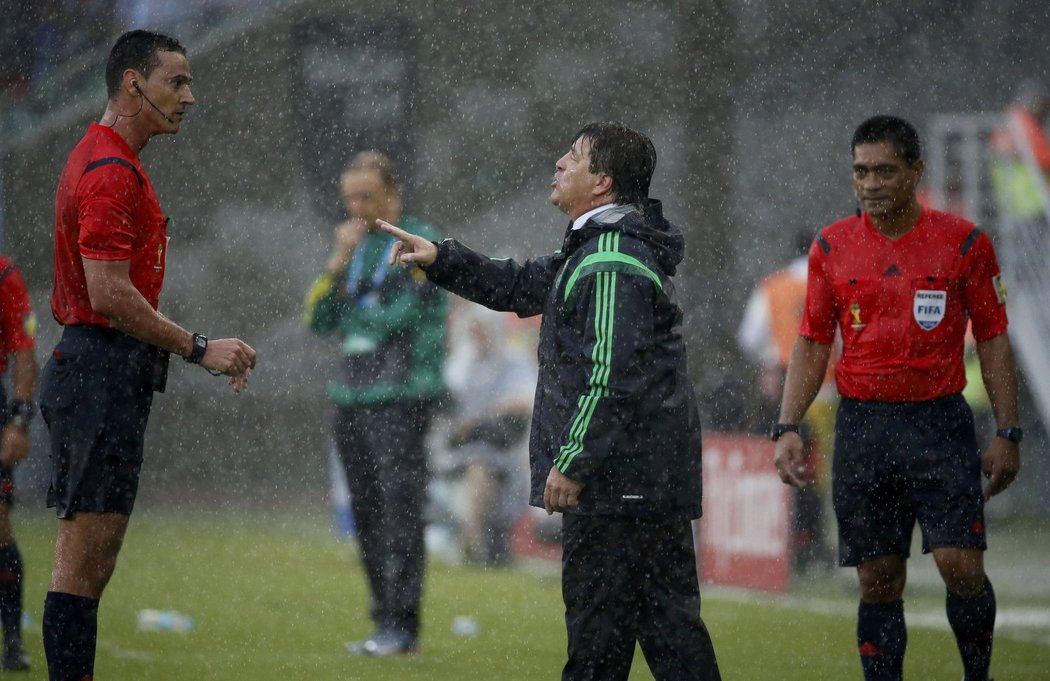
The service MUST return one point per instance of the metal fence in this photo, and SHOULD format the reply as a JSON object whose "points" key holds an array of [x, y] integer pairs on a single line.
{"points": [[960, 166]]}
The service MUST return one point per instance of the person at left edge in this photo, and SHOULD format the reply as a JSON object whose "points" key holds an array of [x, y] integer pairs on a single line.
{"points": [[111, 244], [17, 339]]}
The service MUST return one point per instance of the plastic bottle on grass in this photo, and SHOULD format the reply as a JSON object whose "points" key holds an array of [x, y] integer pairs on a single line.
{"points": [[465, 626], [164, 620]]}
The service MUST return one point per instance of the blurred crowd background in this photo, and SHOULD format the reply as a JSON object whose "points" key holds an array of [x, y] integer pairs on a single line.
{"points": [[40, 38]]}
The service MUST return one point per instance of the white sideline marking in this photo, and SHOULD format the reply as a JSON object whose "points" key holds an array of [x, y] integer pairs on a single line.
{"points": [[1022, 624], [126, 653]]}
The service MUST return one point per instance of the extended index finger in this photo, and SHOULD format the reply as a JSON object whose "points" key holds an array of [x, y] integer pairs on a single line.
{"points": [[394, 230]]}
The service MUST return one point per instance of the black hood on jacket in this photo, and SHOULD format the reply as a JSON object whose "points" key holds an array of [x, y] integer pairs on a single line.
{"points": [[645, 222]]}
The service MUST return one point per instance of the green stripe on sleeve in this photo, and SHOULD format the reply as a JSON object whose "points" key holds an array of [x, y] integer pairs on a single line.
{"points": [[601, 356], [614, 262]]}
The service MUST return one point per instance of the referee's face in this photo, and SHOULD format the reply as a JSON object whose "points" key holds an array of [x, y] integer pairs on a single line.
{"points": [[168, 91], [884, 183]]}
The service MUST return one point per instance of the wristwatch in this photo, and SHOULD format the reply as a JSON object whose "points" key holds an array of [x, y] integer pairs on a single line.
{"points": [[200, 346], [1013, 434], [20, 413], [781, 428]]}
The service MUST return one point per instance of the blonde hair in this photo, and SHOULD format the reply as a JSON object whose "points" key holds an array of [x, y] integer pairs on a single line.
{"points": [[376, 162]]}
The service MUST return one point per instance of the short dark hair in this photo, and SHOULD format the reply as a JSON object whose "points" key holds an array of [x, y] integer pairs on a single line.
{"points": [[897, 131], [625, 155], [137, 50]]}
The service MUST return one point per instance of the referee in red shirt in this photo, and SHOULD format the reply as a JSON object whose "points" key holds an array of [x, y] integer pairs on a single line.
{"points": [[17, 340], [900, 282], [97, 387]]}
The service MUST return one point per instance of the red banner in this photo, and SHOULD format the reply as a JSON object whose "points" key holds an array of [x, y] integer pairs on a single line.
{"points": [[744, 536]]}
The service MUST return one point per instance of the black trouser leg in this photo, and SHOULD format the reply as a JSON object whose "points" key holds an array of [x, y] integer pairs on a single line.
{"points": [[404, 483], [625, 581], [673, 636], [599, 600], [383, 450], [365, 502]]}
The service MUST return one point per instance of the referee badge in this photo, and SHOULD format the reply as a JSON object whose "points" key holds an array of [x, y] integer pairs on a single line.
{"points": [[29, 325], [928, 308], [1000, 288]]}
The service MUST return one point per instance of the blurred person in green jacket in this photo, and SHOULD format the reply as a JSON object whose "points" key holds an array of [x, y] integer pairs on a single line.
{"points": [[392, 323]]}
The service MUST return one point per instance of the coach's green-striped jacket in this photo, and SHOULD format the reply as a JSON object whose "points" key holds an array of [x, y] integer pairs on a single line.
{"points": [[615, 408]]}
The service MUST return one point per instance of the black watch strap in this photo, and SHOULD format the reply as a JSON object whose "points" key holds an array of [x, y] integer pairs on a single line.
{"points": [[1013, 434], [200, 346], [20, 413], [779, 429]]}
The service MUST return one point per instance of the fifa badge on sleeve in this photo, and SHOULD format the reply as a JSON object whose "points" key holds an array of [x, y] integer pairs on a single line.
{"points": [[1000, 288]]}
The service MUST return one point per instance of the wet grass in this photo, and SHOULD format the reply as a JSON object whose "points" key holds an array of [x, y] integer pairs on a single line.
{"points": [[274, 596]]}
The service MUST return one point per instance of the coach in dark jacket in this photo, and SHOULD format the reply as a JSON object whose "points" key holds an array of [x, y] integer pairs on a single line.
{"points": [[615, 440]]}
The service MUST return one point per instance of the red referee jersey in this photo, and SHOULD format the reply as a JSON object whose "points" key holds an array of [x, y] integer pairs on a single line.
{"points": [[105, 209], [902, 306], [17, 322]]}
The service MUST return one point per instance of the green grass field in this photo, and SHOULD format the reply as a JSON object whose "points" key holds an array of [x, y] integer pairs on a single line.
{"points": [[275, 596]]}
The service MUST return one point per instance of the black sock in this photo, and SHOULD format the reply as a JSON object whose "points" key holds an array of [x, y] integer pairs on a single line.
{"points": [[11, 593], [881, 640], [70, 625], [973, 623]]}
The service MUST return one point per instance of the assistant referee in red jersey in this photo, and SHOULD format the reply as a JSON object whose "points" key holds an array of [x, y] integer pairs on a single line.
{"points": [[111, 243], [900, 283]]}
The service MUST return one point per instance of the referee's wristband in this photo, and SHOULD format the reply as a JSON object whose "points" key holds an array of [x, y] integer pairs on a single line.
{"points": [[20, 413], [200, 346], [779, 429]]}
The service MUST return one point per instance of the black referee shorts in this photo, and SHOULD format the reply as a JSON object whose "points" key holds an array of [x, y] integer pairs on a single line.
{"points": [[896, 463], [95, 395]]}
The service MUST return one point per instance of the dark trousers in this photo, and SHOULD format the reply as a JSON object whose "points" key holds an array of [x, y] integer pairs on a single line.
{"points": [[627, 581], [382, 450]]}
